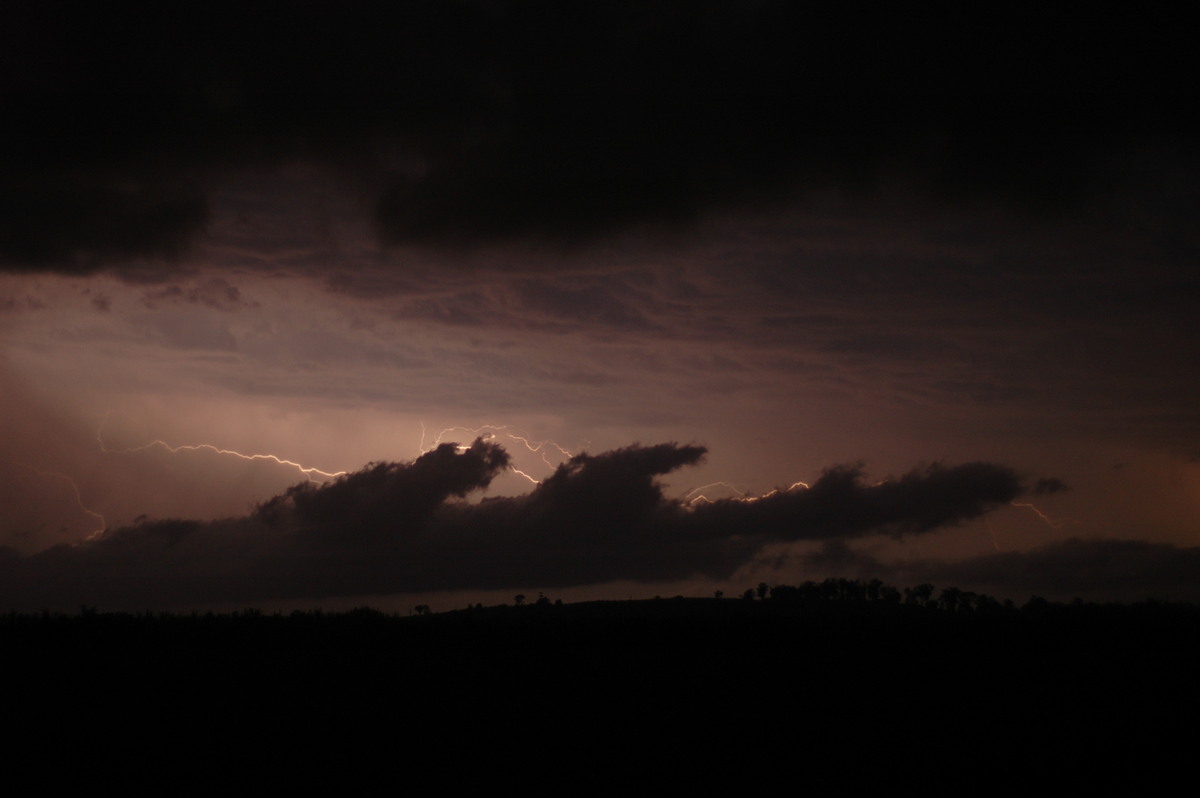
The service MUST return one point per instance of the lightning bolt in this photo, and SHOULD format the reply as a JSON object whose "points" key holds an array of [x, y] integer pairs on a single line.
{"points": [[1033, 508], [307, 471], [987, 524], [488, 432], [519, 472], [1050, 522], [491, 432], [78, 499], [694, 495]]}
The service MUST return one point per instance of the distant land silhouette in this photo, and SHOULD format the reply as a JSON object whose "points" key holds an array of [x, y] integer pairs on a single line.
{"points": [[843, 682]]}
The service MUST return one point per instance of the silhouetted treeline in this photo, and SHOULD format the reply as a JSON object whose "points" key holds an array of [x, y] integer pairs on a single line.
{"points": [[855, 684], [810, 594]]}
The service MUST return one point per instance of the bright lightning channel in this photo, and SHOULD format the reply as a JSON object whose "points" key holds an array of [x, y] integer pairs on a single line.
{"points": [[307, 471], [490, 432], [695, 496]]}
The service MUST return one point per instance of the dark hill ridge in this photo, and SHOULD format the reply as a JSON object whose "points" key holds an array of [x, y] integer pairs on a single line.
{"points": [[707, 692]]}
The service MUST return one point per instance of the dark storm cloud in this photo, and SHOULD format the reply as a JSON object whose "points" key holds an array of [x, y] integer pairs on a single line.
{"points": [[386, 499], [478, 121], [78, 222], [840, 504], [1128, 569], [1125, 570], [1046, 486], [391, 528]]}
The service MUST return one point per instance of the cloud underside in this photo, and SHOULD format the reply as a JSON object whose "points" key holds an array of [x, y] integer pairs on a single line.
{"points": [[399, 527], [473, 122], [1095, 569]]}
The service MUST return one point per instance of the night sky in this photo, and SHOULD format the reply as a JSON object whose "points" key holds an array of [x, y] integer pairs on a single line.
{"points": [[931, 276]]}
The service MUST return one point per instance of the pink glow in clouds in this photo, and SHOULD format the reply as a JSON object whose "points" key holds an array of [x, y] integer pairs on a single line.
{"points": [[748, 241]]}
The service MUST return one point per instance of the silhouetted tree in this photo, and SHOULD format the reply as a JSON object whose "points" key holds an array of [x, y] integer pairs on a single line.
{"points": [[519, 599], [763, 589], [919, 595], [951, 599], [1036, 604]]}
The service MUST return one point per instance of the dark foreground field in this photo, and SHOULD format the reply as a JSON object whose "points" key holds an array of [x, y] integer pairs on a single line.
{"points": [[703, 695]]}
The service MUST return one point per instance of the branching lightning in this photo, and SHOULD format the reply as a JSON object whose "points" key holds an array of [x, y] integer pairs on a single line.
{"points": [[490, 432], [1033, 508], [695, 495]]}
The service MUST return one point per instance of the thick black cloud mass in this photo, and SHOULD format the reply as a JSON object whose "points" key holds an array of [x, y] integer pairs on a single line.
{"points": [[1048, 485], [840, 505], [1100, 569], [391, 528], [386, 499], [471, 121], [1129, 569]]}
